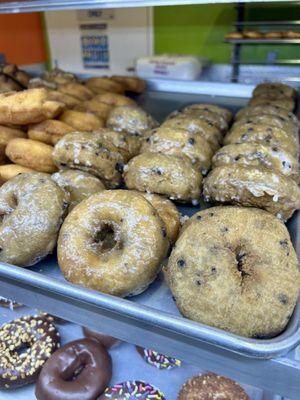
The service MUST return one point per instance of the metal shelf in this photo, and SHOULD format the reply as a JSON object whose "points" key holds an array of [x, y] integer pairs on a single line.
{"points": [[267, 23], [46, 5], [263, 41]]}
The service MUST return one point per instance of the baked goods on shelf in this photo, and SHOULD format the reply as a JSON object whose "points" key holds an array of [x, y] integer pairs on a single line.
{"points": [[230, 279], [131, 83], [49, 131], [76, 90], [284, 102], [9, 171], [100, 85], [234, 35], [251, 34], [81, 121]]}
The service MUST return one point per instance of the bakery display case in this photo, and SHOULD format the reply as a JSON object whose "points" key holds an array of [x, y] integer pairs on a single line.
{"points": [[267, 366]]}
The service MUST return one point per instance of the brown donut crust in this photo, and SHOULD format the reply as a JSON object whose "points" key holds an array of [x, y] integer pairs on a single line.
{"points": [[49, 131], [131, 83], [98, 85], [81, 121], [76, 90], [9, 171]]}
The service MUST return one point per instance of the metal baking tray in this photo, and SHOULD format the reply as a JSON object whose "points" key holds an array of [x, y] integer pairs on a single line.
{"points": [[152, 317]]}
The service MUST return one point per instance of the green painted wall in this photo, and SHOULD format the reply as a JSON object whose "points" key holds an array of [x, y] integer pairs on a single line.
{"points": [[200, 30]]}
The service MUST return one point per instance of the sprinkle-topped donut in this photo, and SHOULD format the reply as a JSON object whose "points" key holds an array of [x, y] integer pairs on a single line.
{"points": [[158, 360], [132, 390], [26, 344]]}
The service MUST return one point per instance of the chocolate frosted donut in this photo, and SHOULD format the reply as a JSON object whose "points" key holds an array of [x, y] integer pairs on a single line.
{"points": [[235, 268], [211, 387], [107, 341], [32, 208], [132, 390], [158, 360], [26, 344], [79, 370]]}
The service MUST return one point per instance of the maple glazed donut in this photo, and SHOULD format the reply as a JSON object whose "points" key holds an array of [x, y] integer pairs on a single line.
{"points": [[224, 274], [113, 242], [32, 207]]}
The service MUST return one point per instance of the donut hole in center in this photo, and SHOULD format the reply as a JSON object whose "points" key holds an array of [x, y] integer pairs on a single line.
{"points": [[72, 374], [10, 206], [107, 237], [22, 350], [242, 262]]}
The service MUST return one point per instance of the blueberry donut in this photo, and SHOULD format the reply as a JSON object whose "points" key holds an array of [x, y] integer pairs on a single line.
{"points": [[113, 242], [32, 207], [271, 120], [223, 274], [286, 103], [215, 119], [251, 111], [171, 176], [129, 146], [92, 153], [285, 90], [258, 155], [179, 142], [158, 360], [223, 112], [253, 186]]}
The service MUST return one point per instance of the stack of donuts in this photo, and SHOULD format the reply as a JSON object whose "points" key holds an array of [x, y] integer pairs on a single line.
{"points": [[175, 156], [258, 166]]}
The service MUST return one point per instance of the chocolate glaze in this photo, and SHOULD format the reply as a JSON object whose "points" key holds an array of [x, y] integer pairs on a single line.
{"points": [[79, 370], [107, 341]]}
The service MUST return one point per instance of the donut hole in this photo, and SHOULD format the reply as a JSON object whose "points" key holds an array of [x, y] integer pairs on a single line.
{"points": [[73, 373], [10, 206], [22, 350], [242, 264], [107, 238]]}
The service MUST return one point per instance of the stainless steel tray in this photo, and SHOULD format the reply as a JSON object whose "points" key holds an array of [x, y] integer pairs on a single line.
{"points": [[152, 317]]}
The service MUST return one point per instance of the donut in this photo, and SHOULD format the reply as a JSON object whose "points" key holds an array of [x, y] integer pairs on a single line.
{"points": [[258, 155], [49, 131], [68, 100], [39, 82], [81, 369], [107, 341], [196, 126], [113, 242], [93, 106], [26, 344], [234, 35], [12, 70], [286, 90], [31, 154], [3, 158], [158, 360], [98, 85], [9, 171], [131, 83], [251, 111], [133, 390], [291, 34], [248, 34], [32, 208], [91, 153], [78, 184], [286, 103], [212, 117], [132, 120], [7, 84], [271, 94], [223, 112], [168, 213], [179, 142], [273, 35], [81, 121], [254, 187], [9, 303], [76, 90], [223, 274], [7, 133], [115, 99], [59, 76], [262, 133], [27, 107], [171, 176], [211, 386]]}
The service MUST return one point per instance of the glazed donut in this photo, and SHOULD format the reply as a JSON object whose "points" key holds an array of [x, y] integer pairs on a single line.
{"points": [[68, 100], [90, 153], [131, 83], [27, 107], [258, 155], [291, 34], [81, 121], [115, 99], [38, 339], [248, 34], [76, 90], [223, 112], [254, 187], [231, 280], [107, 341], [102, 110], [286, 103], [196, 126], [167, 212], [171, 176], [113, 242], [9, 171], [158, 360], [80, 369], [78, 184], [134, 390], [129, 146], [215, 119], [261, 133], [211, 386], [59, 76], [234, 35], [31, 154], [286, 90], [180, 142], [7, 133], [251, 111], [32, 208], [49, 131], [132, 120], [273, 35], [98, 85]]}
